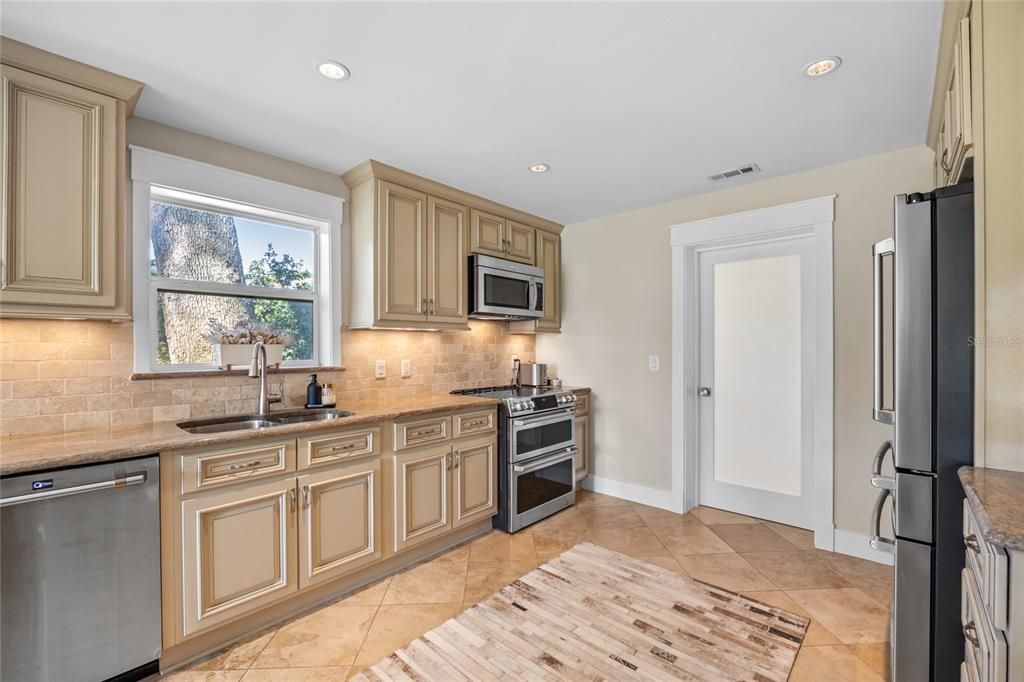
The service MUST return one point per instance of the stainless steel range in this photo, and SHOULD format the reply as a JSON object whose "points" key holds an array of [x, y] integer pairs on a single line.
{"points": [[536, 447]]}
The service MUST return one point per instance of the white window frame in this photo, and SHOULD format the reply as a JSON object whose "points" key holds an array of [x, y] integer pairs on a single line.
{"points": [[165, 177]]}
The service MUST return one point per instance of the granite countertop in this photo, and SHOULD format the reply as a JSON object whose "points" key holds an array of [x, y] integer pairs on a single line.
{"points": [[23, 454], [996, 498]]}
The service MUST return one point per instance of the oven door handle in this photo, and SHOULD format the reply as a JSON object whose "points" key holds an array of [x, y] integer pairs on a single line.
{"points": [[541, 420], [546, 462]]}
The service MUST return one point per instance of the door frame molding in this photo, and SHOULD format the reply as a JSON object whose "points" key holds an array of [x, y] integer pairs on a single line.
{"points": [[811, 218]]}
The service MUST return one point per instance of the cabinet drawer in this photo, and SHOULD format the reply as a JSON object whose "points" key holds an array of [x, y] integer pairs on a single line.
{"points": [[582, 403], [474, 422], [203, 470], [422, 432], [984, 646], [337, 446], [989, 568]]}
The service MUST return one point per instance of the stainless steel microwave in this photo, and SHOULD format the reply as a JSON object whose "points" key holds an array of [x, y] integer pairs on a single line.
{"points": [[505, 290]]}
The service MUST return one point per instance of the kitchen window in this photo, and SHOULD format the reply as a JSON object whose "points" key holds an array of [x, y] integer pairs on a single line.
{"points": [[217, 249]]}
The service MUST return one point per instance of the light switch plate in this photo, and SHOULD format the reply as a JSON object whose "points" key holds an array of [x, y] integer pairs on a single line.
{"points": [[654, 363], [378, 369], [406, 368]]}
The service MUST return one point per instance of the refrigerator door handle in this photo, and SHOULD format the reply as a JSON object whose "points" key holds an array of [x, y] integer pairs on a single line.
{"points": [[886, 247], [877, 479], [877, 541]]}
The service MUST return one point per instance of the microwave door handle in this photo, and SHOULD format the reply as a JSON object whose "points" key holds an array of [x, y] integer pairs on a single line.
{"points": [[533, 294], [886, 247]]}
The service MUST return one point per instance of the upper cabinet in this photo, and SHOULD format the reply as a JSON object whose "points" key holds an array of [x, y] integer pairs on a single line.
{"points": [[411, 241], [496, 236], [548, 257], [955, 141], [64, 248]]}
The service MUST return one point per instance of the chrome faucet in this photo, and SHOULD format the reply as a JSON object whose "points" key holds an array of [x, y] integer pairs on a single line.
{"points": [[258, 369]]}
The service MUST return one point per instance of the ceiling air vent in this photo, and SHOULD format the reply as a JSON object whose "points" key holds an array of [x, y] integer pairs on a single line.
{"points": [[735, 172]]}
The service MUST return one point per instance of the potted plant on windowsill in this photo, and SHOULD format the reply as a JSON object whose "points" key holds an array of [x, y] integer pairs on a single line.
{"points": [[233, 345]]}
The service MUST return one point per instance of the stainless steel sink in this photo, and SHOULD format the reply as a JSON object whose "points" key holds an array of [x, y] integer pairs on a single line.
{"points": [[309, 416], [246, 422], [220, 425]]}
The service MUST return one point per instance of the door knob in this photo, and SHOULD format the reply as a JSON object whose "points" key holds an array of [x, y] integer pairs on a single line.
{"points": [[704, 392]]}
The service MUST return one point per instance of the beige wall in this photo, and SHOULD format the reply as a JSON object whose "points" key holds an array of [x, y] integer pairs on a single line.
{"points": [[999, 197], [617, 310], [66, 375]]}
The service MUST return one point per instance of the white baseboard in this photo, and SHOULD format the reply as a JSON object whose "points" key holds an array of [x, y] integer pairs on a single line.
{"points": [[855, 544], [630, 491]]}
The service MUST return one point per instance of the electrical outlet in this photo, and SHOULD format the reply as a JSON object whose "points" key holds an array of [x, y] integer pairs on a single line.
{"points": [[654, 363], [406, 369], [378, 370]]}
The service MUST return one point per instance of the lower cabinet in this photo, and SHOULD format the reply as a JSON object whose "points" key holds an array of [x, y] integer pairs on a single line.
{"points": [[339, 521], [422, 495], [444, 487], [474, 481], [245, 527], [582, 458], [239, 552]]}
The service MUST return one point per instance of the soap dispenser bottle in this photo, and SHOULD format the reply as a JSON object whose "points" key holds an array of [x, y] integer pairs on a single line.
{"points": [[313, 392]]}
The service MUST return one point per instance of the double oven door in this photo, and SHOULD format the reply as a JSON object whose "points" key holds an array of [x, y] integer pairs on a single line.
{"points": [[541, 469]]}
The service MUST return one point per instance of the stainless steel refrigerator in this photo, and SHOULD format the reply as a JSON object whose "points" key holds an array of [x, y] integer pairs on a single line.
{"points": [[924, 307]]}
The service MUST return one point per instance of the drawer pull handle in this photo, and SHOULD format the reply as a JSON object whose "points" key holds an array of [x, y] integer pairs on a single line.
{"points": [[971, 634], [971, 543], [246, 465], [341, 448], [478, 422], [425, 432]]}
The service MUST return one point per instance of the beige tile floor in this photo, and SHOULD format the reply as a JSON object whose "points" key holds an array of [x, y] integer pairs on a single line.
{"points": [[846, 598]]}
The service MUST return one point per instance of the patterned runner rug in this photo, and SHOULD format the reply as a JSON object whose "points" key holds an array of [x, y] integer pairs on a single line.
{"points": [[595, 614]]}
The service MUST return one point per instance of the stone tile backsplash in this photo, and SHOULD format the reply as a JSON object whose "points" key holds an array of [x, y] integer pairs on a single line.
{"points": [[65, 375]]}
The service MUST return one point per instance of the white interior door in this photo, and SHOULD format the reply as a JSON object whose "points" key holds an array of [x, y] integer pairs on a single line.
{"points": [[757, 348]]}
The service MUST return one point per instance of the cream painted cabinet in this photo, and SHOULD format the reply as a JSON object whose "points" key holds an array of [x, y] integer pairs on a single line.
{"points": [[519, 242], [582, 457], [402, 254], [239, 552], [447, 295], [64, 248], [409, 259], [488, 234], [549, 257], [956, 138], [474, 478], [339, 520], [422, 495]]}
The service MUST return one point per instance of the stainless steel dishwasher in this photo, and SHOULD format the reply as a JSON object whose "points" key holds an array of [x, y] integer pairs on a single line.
{"points": [[80, 573]]}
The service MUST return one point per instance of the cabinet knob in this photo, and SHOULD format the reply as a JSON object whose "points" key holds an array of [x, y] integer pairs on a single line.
{"points": [[704, 392]]}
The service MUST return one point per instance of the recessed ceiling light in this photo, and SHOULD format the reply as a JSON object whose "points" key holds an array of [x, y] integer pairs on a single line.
{"points": [[540, 168], [822, 66], [333, 70]]}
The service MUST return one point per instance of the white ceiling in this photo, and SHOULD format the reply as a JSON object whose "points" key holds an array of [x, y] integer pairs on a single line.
{"points": [[631, 104]]}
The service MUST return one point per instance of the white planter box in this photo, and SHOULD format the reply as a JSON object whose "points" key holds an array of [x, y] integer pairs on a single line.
{"points": [[240, 354]]}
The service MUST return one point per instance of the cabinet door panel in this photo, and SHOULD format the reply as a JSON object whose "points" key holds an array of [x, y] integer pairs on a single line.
{"points": [[488, 233], [421, 495], [447, 261], [238, 552], [582, 458], [521, 242], [549, 257], [475, 481], [62, 221], [402, 252], [339, 523]]}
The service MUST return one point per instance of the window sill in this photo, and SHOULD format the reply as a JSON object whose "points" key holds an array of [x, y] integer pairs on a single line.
{"points": [[140, 376]]}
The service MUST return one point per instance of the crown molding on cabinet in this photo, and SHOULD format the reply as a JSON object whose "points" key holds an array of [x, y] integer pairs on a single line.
{"points": [[28, 58], [375, 169]]}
